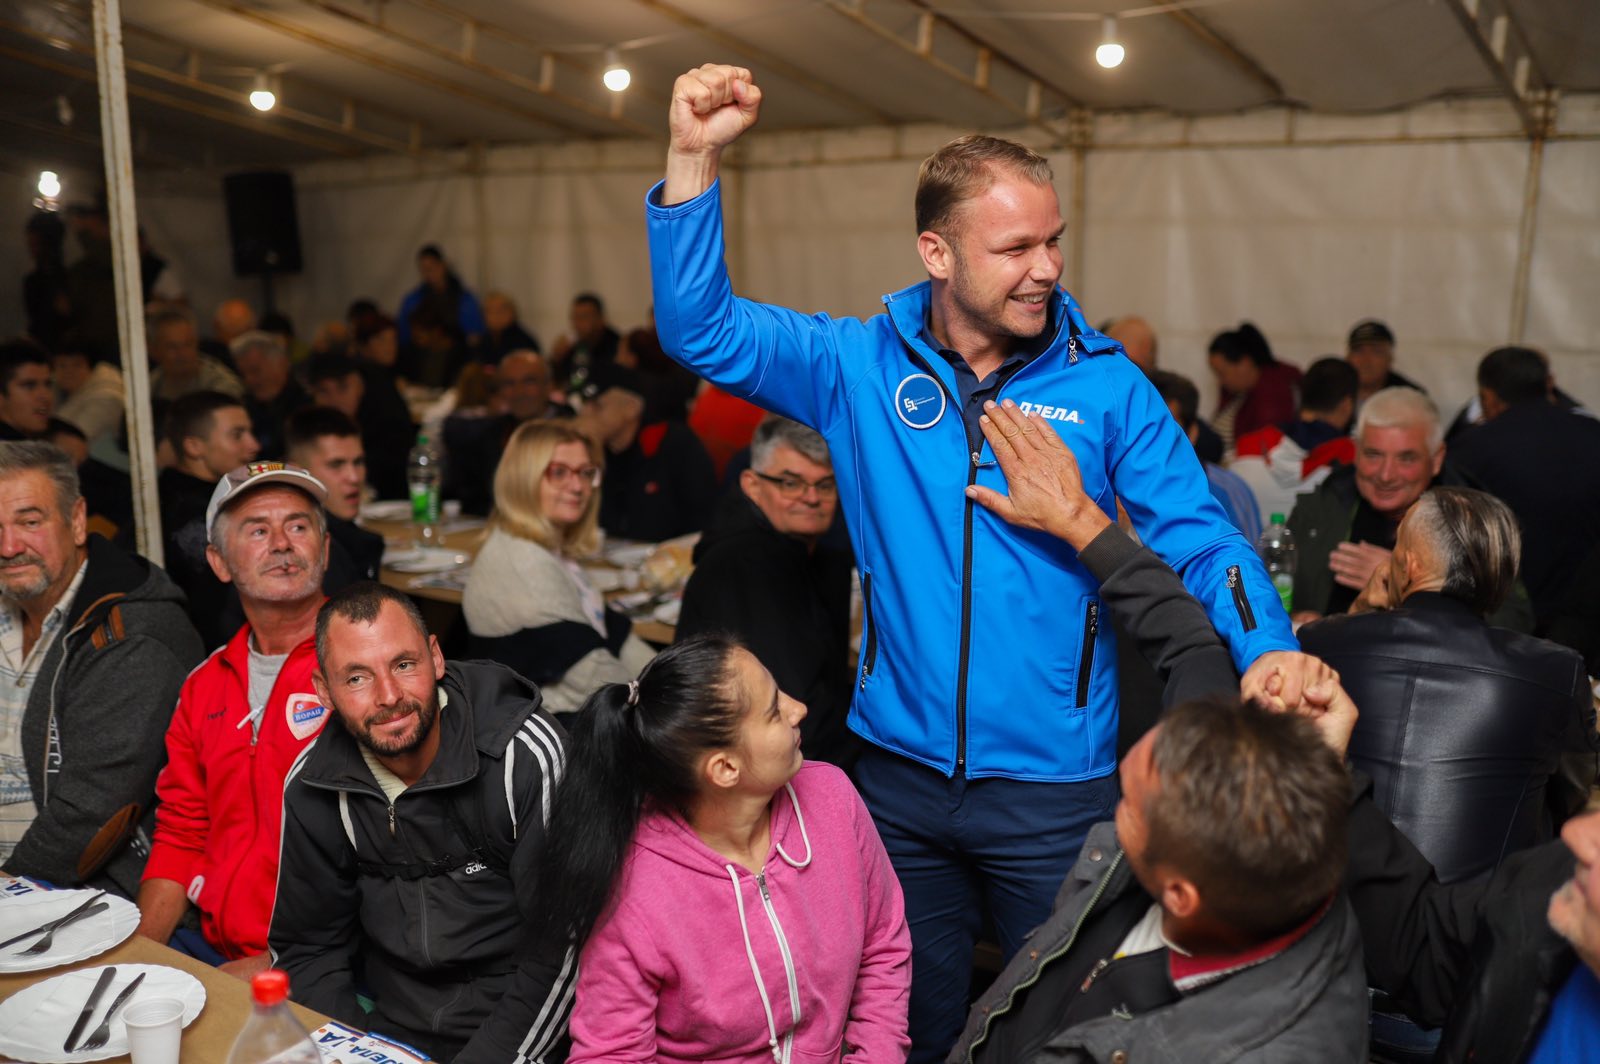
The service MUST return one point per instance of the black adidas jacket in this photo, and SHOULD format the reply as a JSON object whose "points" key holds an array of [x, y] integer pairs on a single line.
{"points": [[424, 902]]}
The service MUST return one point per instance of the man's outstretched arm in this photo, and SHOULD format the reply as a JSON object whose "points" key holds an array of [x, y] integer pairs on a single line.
{"points": [[1046, 493]]}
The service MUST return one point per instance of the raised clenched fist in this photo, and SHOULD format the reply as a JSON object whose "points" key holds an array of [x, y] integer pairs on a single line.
{"points": [[711, 107]]}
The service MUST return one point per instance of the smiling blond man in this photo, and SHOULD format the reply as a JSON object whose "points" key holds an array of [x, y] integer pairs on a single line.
{"points": [[986, 682]]}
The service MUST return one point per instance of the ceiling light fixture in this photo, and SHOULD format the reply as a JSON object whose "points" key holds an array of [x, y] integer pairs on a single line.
{"points": [[616, 75], [1110, 53], [49, 184], [262, 98]]}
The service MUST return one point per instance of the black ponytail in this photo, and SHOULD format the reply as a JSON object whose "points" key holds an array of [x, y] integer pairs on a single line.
{"points": [[1236, 345], [628, 750]]}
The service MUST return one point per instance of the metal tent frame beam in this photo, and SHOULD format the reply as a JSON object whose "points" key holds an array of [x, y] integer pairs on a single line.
{"points": [[463, 57], [769, 61], [348, 130], [979, 78], [1499, 40], [178, 103], [379, 61], [1211, 38]]}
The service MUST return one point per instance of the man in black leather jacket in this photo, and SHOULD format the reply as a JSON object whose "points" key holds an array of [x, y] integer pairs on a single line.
{"points": [[1463, 725], [1507, 964]]}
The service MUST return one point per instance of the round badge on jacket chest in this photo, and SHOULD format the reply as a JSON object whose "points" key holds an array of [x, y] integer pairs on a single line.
{"points": [[919, 401]]}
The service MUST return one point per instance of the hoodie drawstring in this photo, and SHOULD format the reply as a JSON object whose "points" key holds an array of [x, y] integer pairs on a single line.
{"points": [[755, 969], [801, 820], [779, 1055]]}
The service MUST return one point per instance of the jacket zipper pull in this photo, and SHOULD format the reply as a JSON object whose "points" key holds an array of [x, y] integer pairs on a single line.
{"points": [[1094, 973], [1072, 350], [391, 820], [761, 881]]}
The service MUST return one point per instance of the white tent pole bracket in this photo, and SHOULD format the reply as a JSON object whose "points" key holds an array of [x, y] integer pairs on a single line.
{"points": [[1499, 40], [129, 294]]}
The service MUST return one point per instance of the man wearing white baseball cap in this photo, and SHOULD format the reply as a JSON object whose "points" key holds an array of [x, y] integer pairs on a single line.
{"points": [[243, 717]]}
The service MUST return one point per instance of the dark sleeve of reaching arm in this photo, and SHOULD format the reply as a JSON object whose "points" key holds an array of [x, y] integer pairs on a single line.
{"points": [[529, 1022], [1170, 626], [316, 926], [545, 654]]}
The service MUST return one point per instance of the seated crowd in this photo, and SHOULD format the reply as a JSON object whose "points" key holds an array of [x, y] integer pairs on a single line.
{"points": [[578, 846]]}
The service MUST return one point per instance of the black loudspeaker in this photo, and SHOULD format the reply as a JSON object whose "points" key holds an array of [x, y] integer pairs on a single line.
{"points": [[261, 222]]}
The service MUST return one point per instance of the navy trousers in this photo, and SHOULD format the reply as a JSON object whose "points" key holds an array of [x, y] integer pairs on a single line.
{"points": [[963, 849]]}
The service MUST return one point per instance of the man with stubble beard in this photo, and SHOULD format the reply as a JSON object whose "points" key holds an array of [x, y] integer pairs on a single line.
{"points": [[421, 903], [243, 717]]}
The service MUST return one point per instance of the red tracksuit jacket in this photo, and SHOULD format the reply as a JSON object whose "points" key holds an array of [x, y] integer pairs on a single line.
{"points": [[221, 794]]}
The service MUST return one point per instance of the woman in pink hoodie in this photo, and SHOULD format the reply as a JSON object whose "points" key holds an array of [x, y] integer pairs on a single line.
{"points": [[733, 903]]}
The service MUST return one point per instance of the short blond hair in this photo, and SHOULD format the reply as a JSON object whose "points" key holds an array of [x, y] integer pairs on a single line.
{"points": [[965, 168], [516, 489]]}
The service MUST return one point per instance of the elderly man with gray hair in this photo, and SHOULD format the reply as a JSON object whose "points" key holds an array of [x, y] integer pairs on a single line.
{"points": [[1480, 741], [762, 575], [94, 645], [1442, 689], [271, 393]]}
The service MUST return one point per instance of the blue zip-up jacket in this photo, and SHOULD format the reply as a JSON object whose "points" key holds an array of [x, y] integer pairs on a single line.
{"points": [[983, 651]]}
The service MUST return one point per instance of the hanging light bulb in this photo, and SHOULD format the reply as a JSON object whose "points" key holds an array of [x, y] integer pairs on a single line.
{"points": [[262, 98], [1110, 53], [49, 184], [616, 75]]}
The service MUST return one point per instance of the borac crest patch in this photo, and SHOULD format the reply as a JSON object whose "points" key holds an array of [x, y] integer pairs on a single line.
{"points": [[305, 714]]}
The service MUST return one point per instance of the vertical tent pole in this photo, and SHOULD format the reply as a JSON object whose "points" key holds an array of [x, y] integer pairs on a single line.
{"points": [[1525, 235], [125, 256]]}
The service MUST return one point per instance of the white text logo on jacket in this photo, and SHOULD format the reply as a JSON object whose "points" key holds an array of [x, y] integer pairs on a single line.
{"points": [[1051, 413]]}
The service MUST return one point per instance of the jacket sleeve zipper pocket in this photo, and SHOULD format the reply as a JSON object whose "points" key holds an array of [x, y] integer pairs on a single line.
{"points": [[1091, 632], [870, 656], [1241, 601]]}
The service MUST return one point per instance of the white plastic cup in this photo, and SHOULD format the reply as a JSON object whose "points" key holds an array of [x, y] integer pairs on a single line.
{"points": [[154, 1027]]}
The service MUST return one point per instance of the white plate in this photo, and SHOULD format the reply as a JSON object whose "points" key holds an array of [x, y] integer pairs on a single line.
{"points": [[425, 560], [78, 941], [667, 612], [387, 510], [603, 580], [36, 1020]]}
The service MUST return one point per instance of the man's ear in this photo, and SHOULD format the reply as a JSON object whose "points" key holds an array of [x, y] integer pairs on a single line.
{"points": [[320, 683], [218, 566], [1179, 896], [438, 657], [748, 483], [1438, 459], [938, 257], [80, 522]]}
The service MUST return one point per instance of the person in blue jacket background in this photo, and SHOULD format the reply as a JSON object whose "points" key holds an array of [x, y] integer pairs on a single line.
{"points": [[986, 684]]}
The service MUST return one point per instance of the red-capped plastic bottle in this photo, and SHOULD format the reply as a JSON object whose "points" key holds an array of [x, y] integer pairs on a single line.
{"points": [[272, 1035]]}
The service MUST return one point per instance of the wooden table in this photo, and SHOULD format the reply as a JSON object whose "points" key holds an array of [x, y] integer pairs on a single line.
{"points": [[206, 1040], [467, 542]]}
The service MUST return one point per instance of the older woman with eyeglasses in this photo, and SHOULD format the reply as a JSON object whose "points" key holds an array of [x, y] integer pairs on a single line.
{"points": [[527, 602]]}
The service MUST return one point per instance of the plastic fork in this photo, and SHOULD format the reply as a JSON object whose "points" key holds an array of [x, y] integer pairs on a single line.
{"points": [[102, 1034], [43, 945]]}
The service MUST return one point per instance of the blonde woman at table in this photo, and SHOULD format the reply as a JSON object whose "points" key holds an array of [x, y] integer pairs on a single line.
{"points": [[527, 602], [732, 902]]}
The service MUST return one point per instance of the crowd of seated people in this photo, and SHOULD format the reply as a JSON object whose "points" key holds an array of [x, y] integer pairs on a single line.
{"points": [[607, 850]]}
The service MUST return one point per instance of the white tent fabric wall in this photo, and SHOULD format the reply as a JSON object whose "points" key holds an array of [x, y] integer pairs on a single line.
{"points": [[1195, 224]]}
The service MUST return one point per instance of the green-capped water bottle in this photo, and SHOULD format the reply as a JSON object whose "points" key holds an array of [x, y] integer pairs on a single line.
{"points": [[1276, 547], [424, 475]]}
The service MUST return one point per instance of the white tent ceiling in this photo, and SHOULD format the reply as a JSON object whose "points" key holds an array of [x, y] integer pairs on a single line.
{"points": [[385, 76]]}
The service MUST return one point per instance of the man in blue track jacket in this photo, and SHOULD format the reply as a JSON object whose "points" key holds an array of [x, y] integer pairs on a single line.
{"points": [[987, 681]]}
